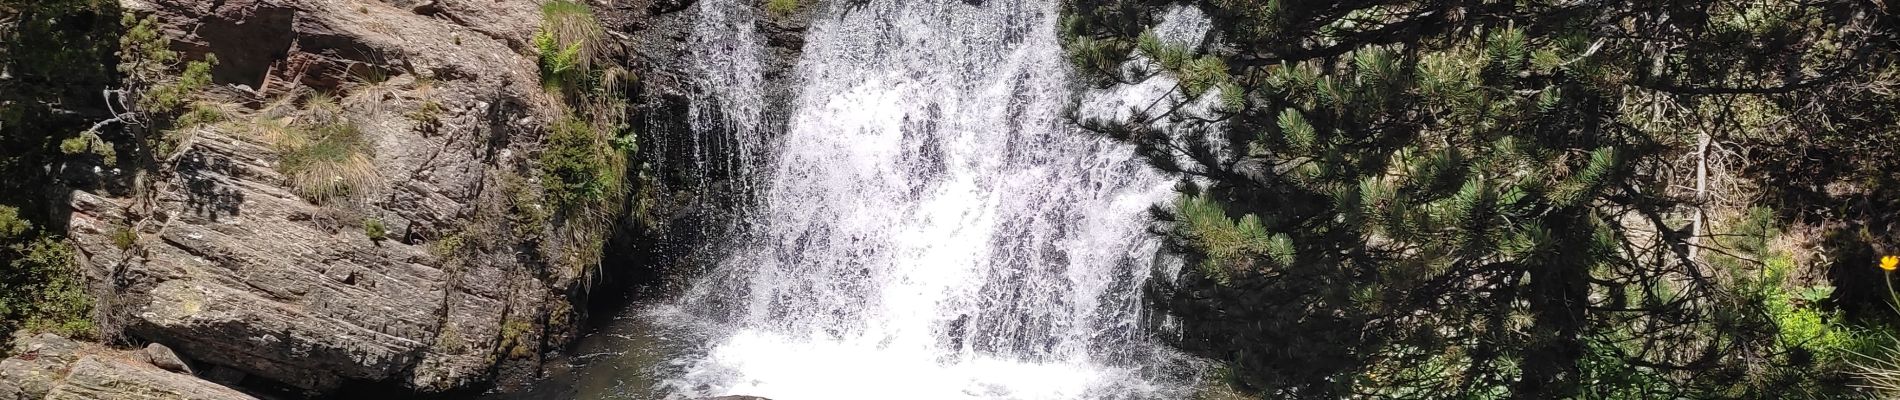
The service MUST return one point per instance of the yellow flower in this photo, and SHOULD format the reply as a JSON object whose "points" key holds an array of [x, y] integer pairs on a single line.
{"points": [[1889, 262]]}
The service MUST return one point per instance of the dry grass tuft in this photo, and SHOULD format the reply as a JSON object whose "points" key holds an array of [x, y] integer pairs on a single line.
{"points": [[323, 155], [1879, 373]]}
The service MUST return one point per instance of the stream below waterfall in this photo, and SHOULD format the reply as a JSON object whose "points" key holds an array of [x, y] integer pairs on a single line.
{"points": [[929, 225]]}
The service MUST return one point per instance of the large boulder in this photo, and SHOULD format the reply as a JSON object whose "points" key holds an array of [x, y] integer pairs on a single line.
{"points": [[233, 268], [50, 367]]}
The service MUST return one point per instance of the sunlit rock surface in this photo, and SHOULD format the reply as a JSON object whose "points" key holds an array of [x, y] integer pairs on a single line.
{"points": [[50, 367]]}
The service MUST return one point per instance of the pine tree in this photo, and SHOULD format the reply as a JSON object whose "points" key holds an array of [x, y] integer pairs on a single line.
{"points": [[1445, 199]]}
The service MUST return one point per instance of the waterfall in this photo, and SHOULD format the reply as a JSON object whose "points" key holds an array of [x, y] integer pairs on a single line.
{"points": [[930, 225], [728, 113]]}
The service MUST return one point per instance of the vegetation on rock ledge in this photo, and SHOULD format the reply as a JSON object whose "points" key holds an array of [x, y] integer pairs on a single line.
{"points": [[57, 58]]}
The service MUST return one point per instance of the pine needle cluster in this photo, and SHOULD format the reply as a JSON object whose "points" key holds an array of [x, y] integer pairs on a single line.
{"points": [[1441, 200]]}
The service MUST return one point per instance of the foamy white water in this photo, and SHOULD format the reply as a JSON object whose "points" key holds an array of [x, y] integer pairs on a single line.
{"points": [[931, 227]]}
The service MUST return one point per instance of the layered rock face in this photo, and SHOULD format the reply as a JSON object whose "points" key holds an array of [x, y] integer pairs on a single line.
{"points": [[231, 267], [50, 367], [220, 257]]}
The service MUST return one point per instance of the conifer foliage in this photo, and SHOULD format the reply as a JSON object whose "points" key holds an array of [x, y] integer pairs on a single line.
{"points": [[1457, 199], [56, 56]]}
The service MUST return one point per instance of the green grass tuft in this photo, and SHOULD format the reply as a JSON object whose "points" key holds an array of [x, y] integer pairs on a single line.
{"points": [[325, 159]]}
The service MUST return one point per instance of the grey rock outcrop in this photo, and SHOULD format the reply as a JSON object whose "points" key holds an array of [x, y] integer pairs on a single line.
{"points": [[237, 272], [234, 269], [50, 367], [163, 357]]}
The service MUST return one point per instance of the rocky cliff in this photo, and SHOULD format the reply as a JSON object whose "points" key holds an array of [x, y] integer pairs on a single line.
{"points": [[438, 270], [365, 193]]}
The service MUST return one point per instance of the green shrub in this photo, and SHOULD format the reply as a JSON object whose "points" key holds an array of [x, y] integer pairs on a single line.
{"points": [[90, 143], [41, 289], [58, 57], [449, 341], [514, 335], [1230, 244], [577, 167], [172, 96], [124, 237], [159, 89], [11, 225], [374, 229], [449, 247], [201, 114], [146, 54], [1811, 343]]}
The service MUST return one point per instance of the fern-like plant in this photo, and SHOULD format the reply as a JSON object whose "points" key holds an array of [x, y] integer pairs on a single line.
{"points": [[568, 42]]}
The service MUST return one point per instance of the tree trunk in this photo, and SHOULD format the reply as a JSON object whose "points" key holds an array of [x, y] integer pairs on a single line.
{"points": [[1558, 292]]}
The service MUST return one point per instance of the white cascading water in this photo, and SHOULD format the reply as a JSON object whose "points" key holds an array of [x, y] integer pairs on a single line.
{"points": [[931, 226], [728, 114]]}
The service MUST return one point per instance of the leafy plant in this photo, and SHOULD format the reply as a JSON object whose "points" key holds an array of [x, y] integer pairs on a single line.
{"points": [[628, 143], [568, 42]]}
